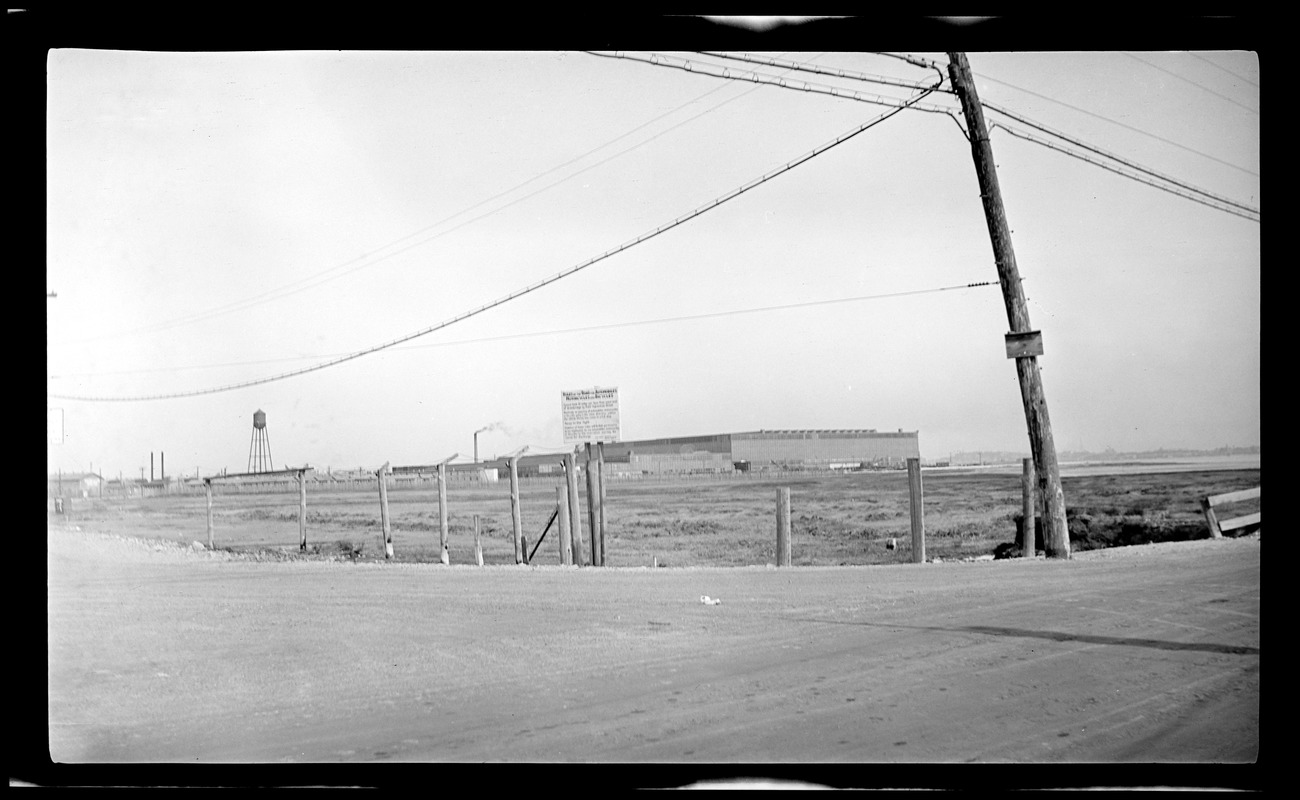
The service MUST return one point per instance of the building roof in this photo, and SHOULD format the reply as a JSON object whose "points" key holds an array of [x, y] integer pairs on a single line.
{"points": [[74, 476]]}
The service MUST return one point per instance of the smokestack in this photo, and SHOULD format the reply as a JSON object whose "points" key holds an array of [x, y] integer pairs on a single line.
{"points": [[151, 467], [162, 465]]}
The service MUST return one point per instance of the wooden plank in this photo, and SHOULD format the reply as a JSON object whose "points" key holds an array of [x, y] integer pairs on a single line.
{"points": [[1233, 497], [1211, 519], [1239, 522]]}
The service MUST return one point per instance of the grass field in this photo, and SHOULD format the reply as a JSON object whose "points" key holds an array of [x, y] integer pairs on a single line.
{"points": [[837, 519]]}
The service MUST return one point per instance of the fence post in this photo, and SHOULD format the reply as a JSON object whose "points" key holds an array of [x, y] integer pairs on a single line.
{"points": [[515, 515], [593, 508], [600, 482], [442, 517], [575, 514], [207, 484], [1028, 510], [302, 511], [918, 513], [478, 543], [562, 517], [783, 527], [383, 510]]}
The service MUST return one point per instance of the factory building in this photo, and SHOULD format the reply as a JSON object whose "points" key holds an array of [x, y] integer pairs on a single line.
{"points": [[765, 450]]}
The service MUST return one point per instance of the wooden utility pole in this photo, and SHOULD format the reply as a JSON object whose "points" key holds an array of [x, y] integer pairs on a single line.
{"points": [[1029, 510], [1023, 342]]}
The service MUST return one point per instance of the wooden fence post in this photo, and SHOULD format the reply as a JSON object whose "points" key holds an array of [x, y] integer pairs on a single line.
{"points": [[478, 543], [600, 482], [593, 509], [575, 513], [302, 511], [515, 515], [783, 527], [207, 484], [442, 517], [1028, 510], [918, 513], [383, 510], [562, 517]]}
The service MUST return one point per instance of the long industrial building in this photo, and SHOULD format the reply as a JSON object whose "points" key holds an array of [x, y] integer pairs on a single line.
{"points": [[753, 451], [765, 449]]}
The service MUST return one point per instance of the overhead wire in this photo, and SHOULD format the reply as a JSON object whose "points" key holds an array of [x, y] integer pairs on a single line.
{"points": [[1220, 202], [718, 71], [1115, 122], [1241, 78], [319, 279], [561, 331], [817, 70], [1193, 83], [700, 210], [1235, 209], [1118, 159]]}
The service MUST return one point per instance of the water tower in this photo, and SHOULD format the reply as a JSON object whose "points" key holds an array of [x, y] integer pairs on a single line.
{"points": [[259, 449]]}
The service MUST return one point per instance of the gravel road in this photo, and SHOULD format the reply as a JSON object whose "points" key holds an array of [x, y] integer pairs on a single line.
{"points": [[159, 653]]}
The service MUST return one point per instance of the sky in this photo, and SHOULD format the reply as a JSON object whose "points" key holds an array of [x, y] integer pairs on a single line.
{"points": [[221, 218]]}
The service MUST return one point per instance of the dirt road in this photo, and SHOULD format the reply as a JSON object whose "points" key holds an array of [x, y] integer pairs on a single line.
{"points": [[1141, 654]]}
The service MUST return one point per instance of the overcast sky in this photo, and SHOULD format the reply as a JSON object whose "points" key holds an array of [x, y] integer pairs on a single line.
{"points": [[220, 218]]}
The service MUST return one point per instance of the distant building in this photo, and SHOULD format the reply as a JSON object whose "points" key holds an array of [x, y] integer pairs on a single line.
{"points": [[761, 450], [75, 484]]}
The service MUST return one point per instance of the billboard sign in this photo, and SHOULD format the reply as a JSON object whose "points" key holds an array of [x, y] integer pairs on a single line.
{"points": [[590, 415]]}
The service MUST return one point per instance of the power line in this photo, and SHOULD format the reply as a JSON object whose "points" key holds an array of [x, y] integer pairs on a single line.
{"points": [[1241, 78], [712, 70], [1126, 162], [1116, 122], [1192, 82], [1234, 208], [805, 67], [319, 279], [688, 65], [563, 331], [533, 287]]}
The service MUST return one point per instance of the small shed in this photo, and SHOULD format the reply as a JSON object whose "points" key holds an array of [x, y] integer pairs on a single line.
{"points": [[74, 484]]}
